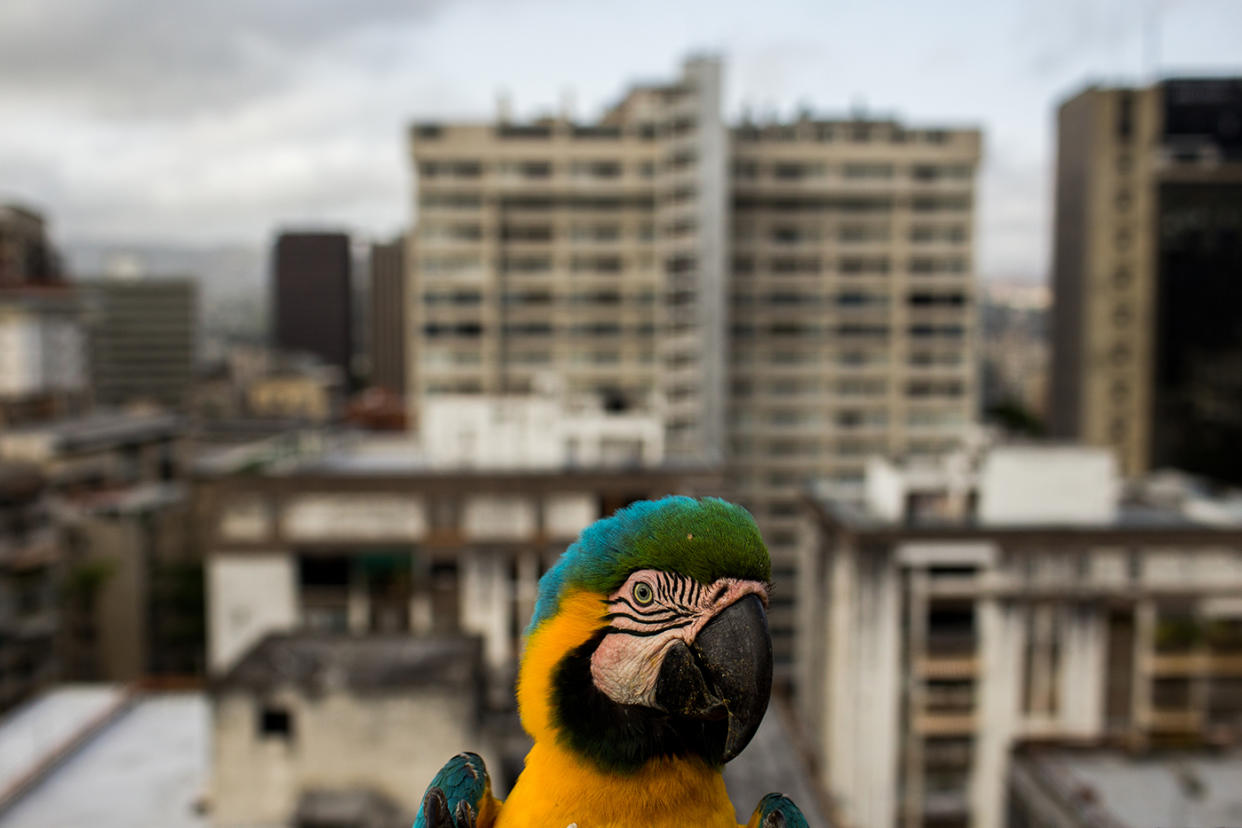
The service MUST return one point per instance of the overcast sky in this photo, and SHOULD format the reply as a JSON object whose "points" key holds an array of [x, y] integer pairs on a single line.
{"points": [[218, 121]]}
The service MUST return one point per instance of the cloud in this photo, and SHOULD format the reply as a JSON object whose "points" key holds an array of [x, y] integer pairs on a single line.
{"points": [[162, 58]]}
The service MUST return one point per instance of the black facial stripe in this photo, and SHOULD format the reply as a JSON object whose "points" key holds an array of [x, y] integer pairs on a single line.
{"points": [[662, 587], [720, 591], [638, 610], [644, 621], [650, 632]]}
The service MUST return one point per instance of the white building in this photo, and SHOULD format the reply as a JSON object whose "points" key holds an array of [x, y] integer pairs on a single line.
{"points": [[41, 344], [536, 432], [1015, 594]]}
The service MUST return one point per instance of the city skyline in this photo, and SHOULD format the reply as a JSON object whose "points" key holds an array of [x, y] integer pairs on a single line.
{"points": [[220, 128]]}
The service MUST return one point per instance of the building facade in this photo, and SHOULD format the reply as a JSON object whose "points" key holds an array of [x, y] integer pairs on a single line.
{"points": [[595, 252], [982, 602], [389, 308], [312, 299], [31, 567], [142, 340], [26, 256], [1147, 349], [42, 354], [787, 298]]}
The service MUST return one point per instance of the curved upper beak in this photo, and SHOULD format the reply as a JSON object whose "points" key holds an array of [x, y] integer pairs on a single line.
{"points": [[724, 676]]}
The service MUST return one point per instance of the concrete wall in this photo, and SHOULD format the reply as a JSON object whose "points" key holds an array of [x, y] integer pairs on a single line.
{"points": [[247, 597], [392, 744], [1041, 484]]}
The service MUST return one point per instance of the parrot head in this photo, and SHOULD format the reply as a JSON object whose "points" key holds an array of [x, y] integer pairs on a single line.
{"points": [[650, 637]]}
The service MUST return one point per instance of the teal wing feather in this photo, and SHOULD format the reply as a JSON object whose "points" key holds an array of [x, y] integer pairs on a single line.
{"points": [[777, 811], [456, 795]]}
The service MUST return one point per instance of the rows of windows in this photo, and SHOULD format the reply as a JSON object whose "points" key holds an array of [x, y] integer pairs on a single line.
{"points": [[858, 170], [847, 299], [828, 132], [852, 265]]}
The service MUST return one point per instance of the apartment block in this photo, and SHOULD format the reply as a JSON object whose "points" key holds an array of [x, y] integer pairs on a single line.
{"points": [[142, 340], [1147, 346], [1013, 595], [852, 310], [592, 252], [26, 256]]}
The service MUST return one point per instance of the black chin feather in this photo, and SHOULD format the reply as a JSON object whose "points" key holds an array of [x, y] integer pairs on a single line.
{"points": [[621, 738]]}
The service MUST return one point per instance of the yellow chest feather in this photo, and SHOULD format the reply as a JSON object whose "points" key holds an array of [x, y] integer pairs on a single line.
{"points": [[555, 790]]}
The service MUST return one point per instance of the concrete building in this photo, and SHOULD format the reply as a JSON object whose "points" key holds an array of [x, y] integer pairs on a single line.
{"points": [[537, 432], [42, 354], [26, 256], [1015, 349], [312, 297], [1010, 595], [31, 554], [1147, 346], [390, 306], [370, 538], [142, 336], [594, 251], [789, 298], [131, 592], [307, 724]]}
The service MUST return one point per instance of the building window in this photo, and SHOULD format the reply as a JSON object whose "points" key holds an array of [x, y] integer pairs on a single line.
{"points": [[1125, 115], [275, 723]]}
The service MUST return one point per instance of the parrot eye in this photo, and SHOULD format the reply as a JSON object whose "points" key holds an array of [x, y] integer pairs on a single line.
{"points": [[643, 594]]}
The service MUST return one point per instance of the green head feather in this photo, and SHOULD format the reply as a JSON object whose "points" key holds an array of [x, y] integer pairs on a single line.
{"points": [[706, 539]]}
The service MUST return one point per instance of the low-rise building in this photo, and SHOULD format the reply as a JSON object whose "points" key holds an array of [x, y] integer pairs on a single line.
{"points": [[313, 730], [1015, 594], [30, 567], [312, 534]]}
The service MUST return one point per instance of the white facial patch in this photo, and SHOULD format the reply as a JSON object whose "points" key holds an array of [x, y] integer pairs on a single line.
{"points": [[650, 612]]}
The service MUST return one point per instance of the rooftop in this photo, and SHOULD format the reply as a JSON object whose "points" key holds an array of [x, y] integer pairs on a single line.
{"points": [[103, 430], [148, 766], [1111, 788], [372, 664]]}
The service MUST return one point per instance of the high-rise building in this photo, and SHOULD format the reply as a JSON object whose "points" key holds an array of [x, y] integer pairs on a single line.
{"points": [[595, 252], [26, 256], [789, 297], [992, 599], [852, 308], [389, 308], [142, 335], [1147, 352], [311, 297]]}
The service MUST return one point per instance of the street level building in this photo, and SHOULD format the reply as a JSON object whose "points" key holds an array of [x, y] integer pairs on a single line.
{"points": [[1012, 595]]}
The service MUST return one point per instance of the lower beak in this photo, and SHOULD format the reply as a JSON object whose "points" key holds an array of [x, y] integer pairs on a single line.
{"points": [[724, 676]]}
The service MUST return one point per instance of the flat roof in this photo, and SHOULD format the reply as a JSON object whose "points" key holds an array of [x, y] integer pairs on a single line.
{"points": [[1173, 788], [1148, 524], [148, 768], [105, 428], [373, 663], [32, 732]]}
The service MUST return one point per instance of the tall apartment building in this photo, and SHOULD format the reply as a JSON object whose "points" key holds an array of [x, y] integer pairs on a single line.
{"points": [[852, 310], [593, 252], [141, 336], [389, 308], [790, 298], [1147, 355], [988, 600], [312, 298]]}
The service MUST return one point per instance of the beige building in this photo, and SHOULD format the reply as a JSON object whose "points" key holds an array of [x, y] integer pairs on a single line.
{"points": [[592, 251], [788, 298], [1013, 596], [1147, 344]]}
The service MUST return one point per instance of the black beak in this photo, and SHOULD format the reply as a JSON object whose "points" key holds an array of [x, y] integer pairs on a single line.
{"points": [[723, 680]]}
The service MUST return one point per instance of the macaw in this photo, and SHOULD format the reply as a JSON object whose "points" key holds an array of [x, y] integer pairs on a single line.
{"points": [[647, 666]]}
